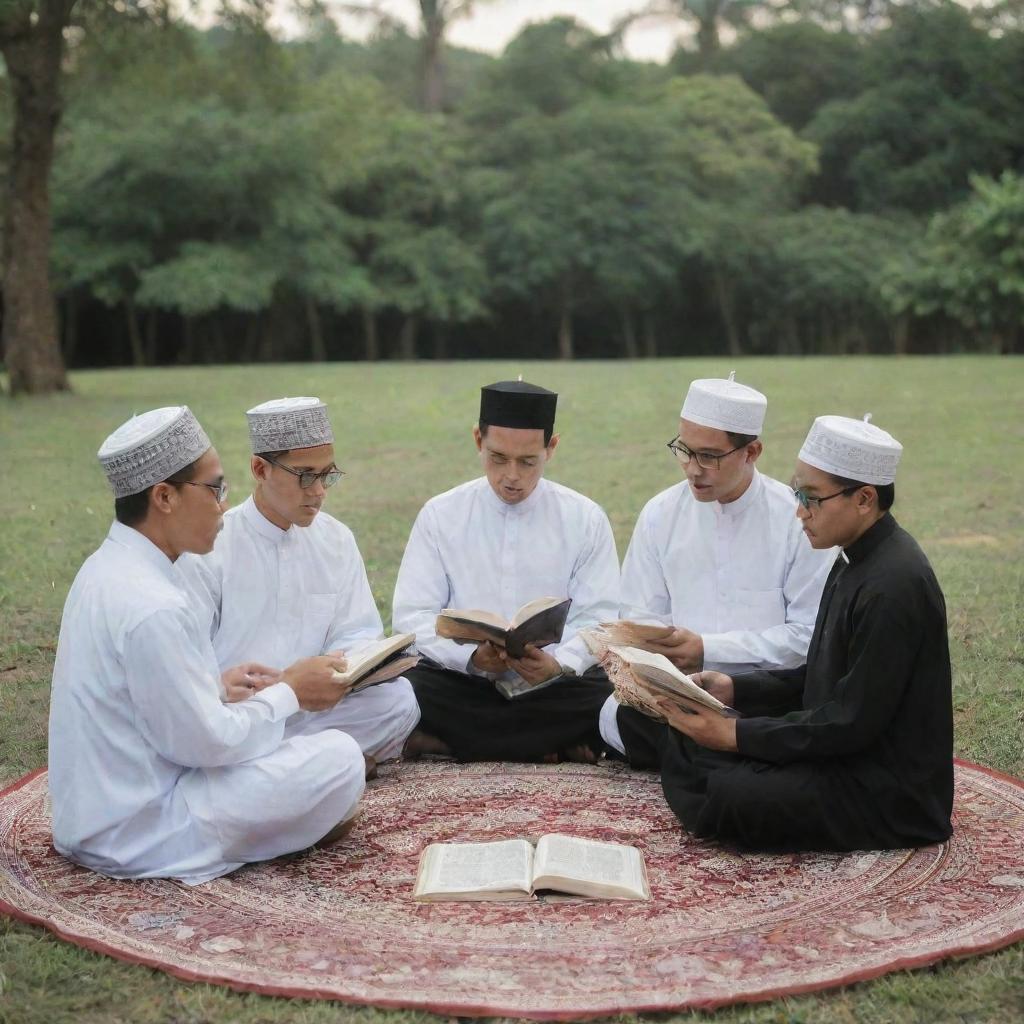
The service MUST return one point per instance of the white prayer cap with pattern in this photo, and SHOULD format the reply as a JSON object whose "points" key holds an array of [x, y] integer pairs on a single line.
{"points": [[287, 423], [150, 448], [854, 449], [725, 405]]}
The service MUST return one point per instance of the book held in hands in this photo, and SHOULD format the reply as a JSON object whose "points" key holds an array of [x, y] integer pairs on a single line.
{"points": [[379, 661], [627, 633], [540, 622], [641, 678], [513, 869]]}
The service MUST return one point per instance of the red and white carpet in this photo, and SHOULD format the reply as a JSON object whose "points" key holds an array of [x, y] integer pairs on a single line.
{"points": [[722, 927]]}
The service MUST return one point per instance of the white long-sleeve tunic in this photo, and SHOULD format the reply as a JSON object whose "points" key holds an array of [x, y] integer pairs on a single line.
{"points": [[274, 596], [151, 775], [470, 549], [742, 575]]}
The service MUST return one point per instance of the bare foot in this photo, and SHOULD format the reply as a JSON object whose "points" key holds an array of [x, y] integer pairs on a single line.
{"points": [[371, 766], [420, 743], [581, 754], [339, 831]]}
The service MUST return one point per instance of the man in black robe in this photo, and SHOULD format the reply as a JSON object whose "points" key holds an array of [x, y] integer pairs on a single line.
{"points": [[854, 749]]}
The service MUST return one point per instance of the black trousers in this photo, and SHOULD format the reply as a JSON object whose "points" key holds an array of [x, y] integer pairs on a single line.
{"points": [[758, 805], [479, 724]]}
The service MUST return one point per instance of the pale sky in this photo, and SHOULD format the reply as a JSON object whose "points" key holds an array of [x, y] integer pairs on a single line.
{"points": [[494, 22]]}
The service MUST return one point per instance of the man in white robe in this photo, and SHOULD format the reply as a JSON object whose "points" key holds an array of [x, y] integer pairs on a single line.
{"points": [[285, 580], [160, 766], [721, 556], [495, 544]]}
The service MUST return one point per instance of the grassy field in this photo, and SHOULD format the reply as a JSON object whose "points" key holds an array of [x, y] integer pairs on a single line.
{"points": [[403, 434]]}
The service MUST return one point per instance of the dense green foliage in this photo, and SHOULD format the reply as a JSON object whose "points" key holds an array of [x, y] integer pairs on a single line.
{"points": [[226, 195]]}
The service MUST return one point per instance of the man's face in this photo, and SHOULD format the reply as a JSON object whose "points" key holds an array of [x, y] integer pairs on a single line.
{"points": [[836, 522], [279, 493], [199, 516], [513, 460], [725, 478]]}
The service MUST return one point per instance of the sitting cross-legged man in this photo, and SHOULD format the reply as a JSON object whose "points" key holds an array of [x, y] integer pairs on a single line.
{"points": [[497, 543]]}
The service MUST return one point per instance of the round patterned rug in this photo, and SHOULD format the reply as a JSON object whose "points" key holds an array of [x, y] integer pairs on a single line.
{"points": [[721, 927]]}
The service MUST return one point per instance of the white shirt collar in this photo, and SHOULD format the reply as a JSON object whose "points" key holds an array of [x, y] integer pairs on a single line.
{"points": [[129, 537], [520, 508], [260, 523], [744, 501]]}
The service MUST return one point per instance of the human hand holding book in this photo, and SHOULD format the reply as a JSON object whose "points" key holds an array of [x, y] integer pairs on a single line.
{"points": [[376, 662], [512, 869], [644, 680]]}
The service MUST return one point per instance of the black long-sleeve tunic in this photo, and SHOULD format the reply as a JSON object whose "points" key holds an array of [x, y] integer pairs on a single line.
{"points": [[854, 749]]}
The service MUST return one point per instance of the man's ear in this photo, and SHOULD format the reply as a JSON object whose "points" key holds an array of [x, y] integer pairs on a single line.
{"points": [[867, 499], [478, 438], [552, 445], [258, 468], [163, 498], [754, 450]]}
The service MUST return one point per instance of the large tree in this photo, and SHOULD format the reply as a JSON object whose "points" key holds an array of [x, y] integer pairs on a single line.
{"points": [[32, 44]]}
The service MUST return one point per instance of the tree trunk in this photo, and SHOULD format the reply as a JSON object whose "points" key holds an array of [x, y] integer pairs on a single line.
{"points": [[440, 341], [432, 58], [727, 307], [708, 43], [628, 333], [792, 335], [252, 338], [565, 345], [650, 337], [188, 340], [70, 328], [32, 52], [370, 337], [150, 337], [134, 334], [317, 349], [407, 339]]}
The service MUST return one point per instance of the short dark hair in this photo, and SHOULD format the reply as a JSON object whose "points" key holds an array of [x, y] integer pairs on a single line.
{"points": [[272, 455], [548, 431], [886, 492], [741, 440], [131, 509]]}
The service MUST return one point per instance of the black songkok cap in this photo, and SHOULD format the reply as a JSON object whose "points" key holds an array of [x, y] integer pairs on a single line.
{"points": [[515, 403]]}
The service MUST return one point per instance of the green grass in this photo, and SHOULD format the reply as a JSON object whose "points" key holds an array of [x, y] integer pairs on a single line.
{"points": [[402, 436]]}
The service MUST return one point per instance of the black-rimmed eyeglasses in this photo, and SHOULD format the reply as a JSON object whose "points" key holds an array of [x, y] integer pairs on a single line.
{"points": [[308, 477], [706, 460], [809, 503], [220, 491]]}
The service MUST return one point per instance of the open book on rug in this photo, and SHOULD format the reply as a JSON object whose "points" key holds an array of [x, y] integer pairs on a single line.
{"points": [[642, 677], [379, 661], [512, 869], [540, 622]]}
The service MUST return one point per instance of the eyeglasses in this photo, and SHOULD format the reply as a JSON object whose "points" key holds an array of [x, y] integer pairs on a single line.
{"points": [[308, 477], [809, 503], [220, 491], [706, 460]]}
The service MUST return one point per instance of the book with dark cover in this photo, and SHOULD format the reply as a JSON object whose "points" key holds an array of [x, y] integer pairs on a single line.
{"points": [[540, 622]]}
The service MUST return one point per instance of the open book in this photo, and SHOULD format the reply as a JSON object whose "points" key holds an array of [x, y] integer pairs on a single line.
{"points": [[539, 623], [511, 869], [648, 676], [379, 661]]}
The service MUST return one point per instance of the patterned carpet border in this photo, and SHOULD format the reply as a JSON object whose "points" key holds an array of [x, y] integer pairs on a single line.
{"points": [[722, 928]]}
